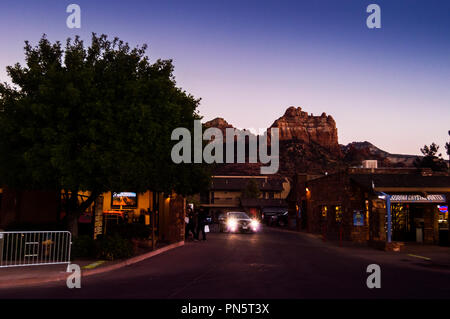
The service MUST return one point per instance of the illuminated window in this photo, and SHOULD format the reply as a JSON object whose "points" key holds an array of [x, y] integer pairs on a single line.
{"points": [[324, 210], [443, 216], [338, 213]]}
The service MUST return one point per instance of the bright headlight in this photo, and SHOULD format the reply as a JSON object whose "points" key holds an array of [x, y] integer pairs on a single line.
{"points": [[232, 223], [254, 223]]}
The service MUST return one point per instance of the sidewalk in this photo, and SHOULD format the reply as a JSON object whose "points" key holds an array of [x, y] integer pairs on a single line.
{"points": [[34, 275], [431, 257]]}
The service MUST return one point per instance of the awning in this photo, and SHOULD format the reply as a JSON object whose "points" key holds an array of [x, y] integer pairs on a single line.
{"points": [[274, 210]]}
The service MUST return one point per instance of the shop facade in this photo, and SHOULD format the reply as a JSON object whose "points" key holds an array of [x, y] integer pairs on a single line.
{"points": [[352, 205], [38, 210]]}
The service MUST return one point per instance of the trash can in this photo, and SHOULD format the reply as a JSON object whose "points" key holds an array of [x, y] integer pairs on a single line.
{"points": [[419, 234], [419, 224]]}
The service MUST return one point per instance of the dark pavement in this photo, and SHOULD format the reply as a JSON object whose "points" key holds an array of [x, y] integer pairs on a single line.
{"points": [[271, 264]]}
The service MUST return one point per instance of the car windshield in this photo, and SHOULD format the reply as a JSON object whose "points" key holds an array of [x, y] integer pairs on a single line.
{"points": [[238, 215]]}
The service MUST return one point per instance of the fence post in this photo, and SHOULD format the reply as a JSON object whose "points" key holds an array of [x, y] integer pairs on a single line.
{"points": [[1, 248]]}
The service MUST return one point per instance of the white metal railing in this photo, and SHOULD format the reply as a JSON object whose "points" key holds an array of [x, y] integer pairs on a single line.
{"points": [[32, 248]]}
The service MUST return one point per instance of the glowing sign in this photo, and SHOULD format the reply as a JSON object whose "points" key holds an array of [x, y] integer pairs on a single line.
{"points": [[443, 208]]}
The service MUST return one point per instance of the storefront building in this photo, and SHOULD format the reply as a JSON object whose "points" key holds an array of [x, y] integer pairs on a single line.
{"points": [[44, 210], [352, 205], [225, 195]]}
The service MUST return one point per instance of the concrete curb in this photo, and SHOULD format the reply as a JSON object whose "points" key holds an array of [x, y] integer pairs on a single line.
{"points": [[131, 261], [63, 275]]}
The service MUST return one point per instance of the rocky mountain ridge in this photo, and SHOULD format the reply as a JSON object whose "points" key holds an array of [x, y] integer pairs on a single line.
{"points": [[309, 144]]}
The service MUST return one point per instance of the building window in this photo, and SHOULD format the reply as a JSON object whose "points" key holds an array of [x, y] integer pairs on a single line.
{"points": [[442, 216], [324, 211], [338, 213]]}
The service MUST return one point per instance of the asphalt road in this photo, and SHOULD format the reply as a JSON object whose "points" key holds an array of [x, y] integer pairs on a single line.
{"points": [[271, 264]]}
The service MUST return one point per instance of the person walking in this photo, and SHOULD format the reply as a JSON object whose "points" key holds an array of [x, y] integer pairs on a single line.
{"points": [[190, 224], [201, 224]]}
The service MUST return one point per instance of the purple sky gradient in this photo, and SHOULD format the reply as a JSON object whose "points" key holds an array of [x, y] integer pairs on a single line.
{"points": [[250, 60]]}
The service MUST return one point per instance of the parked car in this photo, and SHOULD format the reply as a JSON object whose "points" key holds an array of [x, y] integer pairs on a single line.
{"points": [[234, 222], [282, 219]]}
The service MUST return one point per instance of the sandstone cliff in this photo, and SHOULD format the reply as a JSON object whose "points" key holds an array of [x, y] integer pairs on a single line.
{"points": [[296, 125]]}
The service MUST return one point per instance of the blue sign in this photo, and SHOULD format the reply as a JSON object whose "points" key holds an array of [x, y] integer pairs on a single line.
{"points": [[358, 218]]}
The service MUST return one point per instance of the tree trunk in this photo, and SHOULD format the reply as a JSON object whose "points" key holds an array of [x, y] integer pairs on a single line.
{"points": [[72, 223], [74, 209]]}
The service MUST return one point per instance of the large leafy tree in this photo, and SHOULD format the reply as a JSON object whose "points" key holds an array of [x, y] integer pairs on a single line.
{"points": [[96, 119], [431, 158]]}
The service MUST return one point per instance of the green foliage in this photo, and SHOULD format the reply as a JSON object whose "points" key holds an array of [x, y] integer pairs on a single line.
{"points": [[113, 247], [110, 247], [447, 145], [251, 190], [96, 119], [430, 160], [83, 246]]}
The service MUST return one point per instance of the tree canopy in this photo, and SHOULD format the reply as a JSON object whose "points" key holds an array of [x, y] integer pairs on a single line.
{"points": [[431, 158], [96, 118]]}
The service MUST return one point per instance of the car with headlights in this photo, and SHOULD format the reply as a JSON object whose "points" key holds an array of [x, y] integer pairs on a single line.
{"points": [[235, 222]]}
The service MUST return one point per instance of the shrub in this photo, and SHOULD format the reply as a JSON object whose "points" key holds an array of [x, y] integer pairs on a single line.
{"points": [[130, 231], [83, 246], [113, 247]]}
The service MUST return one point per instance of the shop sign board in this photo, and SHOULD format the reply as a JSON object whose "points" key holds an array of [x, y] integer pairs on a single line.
{"points": [[358, 218], [416, 198]]}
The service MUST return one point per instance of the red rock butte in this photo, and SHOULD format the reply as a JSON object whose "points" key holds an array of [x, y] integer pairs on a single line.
{"points": [[296, 125]]}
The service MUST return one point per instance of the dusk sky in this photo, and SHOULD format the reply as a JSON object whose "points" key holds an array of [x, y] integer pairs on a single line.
{"points": [[250, 60]]}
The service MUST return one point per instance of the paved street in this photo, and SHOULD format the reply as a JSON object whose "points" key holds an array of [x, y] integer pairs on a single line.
{"points": [[272, 264]]}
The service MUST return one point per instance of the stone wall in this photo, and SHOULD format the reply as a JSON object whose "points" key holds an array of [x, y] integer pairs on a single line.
{"points": [[177, 211], [331, 191]]}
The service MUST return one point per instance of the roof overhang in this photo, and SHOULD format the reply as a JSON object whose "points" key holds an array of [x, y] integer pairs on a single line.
{"points": [[412, 189]]}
